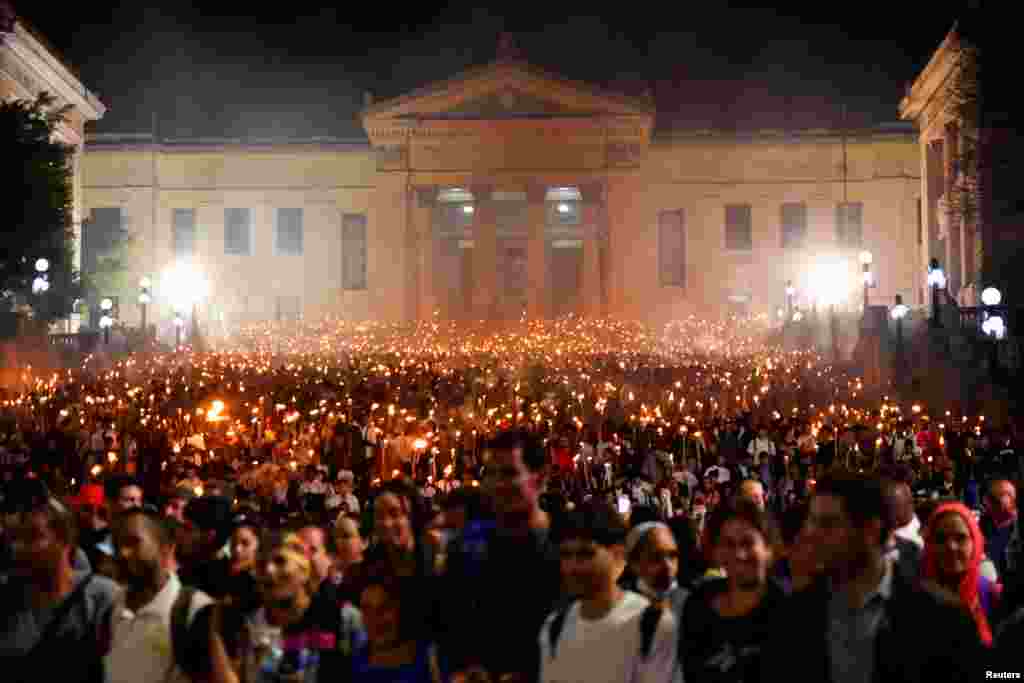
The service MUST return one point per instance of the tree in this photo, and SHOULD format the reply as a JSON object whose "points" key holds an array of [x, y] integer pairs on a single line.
{"points": [[37, 222], [108, 273]]}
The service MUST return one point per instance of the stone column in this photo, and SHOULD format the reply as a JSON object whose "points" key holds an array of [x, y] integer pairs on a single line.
{"points": [[933, 185], [954, 216], [537, 294], [425, 253], [485, 253], [590, 281]]}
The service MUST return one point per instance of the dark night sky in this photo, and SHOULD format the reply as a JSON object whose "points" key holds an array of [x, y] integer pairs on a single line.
{"points": [[292, 69]]}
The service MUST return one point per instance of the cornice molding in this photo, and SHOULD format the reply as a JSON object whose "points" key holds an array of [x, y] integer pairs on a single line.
{"points": [[49, 73]]}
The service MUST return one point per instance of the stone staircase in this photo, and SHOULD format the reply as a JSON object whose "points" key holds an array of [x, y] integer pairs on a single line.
{"points": [[954, 365]]}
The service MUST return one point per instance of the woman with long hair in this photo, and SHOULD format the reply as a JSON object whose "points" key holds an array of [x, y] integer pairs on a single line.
{"points": [[953, 553]]}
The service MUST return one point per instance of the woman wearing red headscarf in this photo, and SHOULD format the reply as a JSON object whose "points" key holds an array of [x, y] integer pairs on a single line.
{"points": [[954, 549]]}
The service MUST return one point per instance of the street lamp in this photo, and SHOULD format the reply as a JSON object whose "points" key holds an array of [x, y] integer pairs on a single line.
{"points": [[144, 299], [936, 280], [994, 326], [898, 313], [790, 293], [865, 264], [106, 321], [41, 284], [991, 296]]}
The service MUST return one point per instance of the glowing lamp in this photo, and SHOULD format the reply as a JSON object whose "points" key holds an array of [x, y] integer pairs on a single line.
{"points": [[991, 296], [994, 326], [42, 265], [936, 276]]}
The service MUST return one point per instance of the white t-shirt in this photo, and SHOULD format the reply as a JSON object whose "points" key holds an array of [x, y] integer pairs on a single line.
{"points": [[609, 649], [141, 649]]}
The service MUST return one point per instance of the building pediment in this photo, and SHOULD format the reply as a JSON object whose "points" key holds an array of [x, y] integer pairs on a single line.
{"points": [[508, 103], [504, 90]]}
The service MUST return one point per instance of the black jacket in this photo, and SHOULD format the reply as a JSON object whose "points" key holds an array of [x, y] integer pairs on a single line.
{"points": [[496, 600], [924, 638], [909, 562]]}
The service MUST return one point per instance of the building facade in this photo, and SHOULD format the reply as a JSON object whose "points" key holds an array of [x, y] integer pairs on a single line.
{"points": [[506, 192], [29, 66], [933, 104]]}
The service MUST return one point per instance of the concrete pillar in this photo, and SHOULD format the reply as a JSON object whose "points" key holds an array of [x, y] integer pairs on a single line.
{"points": [[953, 263], [425, 253], [537, 294], [590, 282], [932, 176], [485, 253]]}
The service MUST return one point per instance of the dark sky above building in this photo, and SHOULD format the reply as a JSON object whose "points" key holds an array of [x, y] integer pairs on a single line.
{"points": [[295, 69]]}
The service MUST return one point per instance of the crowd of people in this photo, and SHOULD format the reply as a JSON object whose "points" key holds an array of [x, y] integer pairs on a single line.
{"points": [[582, 502]]}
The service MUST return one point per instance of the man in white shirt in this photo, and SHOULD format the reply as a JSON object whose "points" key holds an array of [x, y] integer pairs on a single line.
{"points": [[344, 498], [719, 472], [608, 634], [144, 644], [761, 444]]}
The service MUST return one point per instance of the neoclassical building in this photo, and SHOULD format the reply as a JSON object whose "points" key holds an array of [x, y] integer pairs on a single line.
{"points": [[506, 191], [28, 66]]}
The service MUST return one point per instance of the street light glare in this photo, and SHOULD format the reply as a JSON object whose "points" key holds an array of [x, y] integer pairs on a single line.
{"points": [[42, 265], [829, 283], [185, 286]]}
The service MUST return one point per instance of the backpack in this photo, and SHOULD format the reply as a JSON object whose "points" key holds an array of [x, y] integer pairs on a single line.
{"points": [[179, 630], [648, 626]]}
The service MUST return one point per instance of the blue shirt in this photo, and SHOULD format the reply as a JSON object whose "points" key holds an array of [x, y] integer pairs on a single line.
{"points": [[419, 671]]}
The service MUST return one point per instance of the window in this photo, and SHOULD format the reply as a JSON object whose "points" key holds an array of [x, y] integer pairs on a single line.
{"points": [[353, 251], [288, 232], [184, 233], [849, 224], [794, 225], [238, 232], [102, 233], [672, 248], [739, 233]]}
